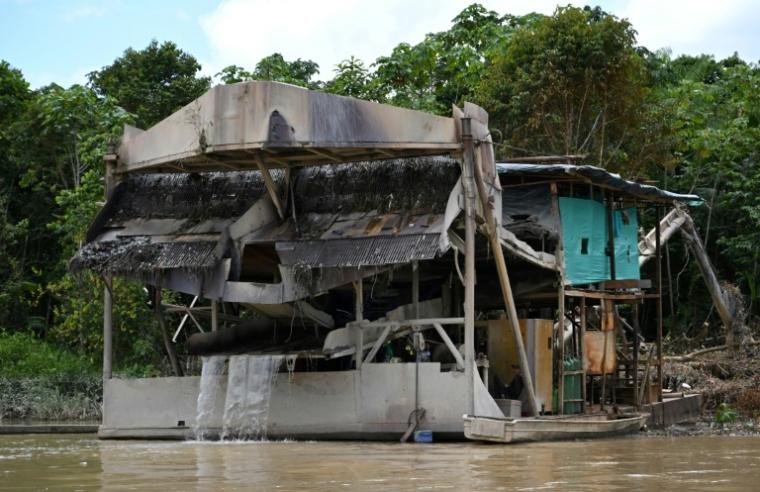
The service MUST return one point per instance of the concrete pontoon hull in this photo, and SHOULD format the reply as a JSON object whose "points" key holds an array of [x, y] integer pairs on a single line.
{"points": [[373, 404]]}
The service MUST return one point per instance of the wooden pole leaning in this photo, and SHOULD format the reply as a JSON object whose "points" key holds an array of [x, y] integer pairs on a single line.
{"points": [[469, 262], [501, 267]]}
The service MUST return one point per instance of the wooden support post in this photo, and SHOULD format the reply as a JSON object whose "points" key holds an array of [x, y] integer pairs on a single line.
{"points": [[658, 258], [108, 328], [274, 190], [636, 400], [416, 288], [359, 302], [501, 267], [469, 262], [214, 316], [560, 258], [611, 234], [581, 341]]}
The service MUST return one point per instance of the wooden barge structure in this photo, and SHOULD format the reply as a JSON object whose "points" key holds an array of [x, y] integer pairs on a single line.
{"points": [[387, 257]]}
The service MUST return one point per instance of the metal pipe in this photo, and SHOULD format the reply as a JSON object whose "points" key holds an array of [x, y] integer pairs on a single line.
{"points": [[108, 328], [416, 306], [452, 348], [359, 287], [415, 322], [378, 343]]}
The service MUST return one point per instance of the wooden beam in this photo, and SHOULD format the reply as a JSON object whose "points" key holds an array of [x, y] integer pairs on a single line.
{"points": [[324, 153], [386, 152], [601, 295], [221, 162], [274, 190], [272, 156], [559, 258]]}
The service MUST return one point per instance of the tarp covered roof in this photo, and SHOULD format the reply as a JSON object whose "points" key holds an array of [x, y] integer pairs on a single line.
{"points": [[597, 176]]}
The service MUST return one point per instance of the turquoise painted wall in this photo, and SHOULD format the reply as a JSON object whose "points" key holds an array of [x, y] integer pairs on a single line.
{"points": [[584, 234]]}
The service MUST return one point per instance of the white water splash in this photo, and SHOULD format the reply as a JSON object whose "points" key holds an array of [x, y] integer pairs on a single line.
{"points": [[290, 365], [249, 386], [213, 366]]}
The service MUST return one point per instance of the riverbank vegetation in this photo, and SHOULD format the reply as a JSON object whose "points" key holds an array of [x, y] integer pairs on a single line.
{"points": [[39, 381], [575, 82]]}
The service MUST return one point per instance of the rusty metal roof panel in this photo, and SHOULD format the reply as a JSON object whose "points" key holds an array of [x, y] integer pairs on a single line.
{"points": [[285, 125], [367, 251], [137, 256]]}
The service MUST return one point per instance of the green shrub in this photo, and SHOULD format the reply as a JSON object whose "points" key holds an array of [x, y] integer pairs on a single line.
{"points": [[725, 413], [41, 382], [24, 356]]}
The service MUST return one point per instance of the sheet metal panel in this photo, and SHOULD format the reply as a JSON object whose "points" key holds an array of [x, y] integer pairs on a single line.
{"points": [[278, 118], [599, 352], [368, 251]]}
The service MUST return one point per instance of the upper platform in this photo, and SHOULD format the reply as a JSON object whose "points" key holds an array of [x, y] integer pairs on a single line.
{"points": [[232, 126]]}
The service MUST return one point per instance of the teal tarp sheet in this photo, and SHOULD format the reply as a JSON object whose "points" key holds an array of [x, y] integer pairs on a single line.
{"points": [[584, 234]]}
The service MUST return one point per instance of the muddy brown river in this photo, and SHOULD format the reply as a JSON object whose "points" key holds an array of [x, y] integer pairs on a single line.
{"points": [[71, 463]]}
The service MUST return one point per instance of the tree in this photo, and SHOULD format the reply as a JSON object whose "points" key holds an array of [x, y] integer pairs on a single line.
{"points": [[570, 84], [351, 79], [15, 286], [275, 68], [152, 83], [81, 124], [78, 312], [446, 66]]}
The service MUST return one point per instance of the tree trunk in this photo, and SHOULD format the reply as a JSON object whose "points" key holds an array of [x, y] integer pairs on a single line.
{"points": [[736, 331]]}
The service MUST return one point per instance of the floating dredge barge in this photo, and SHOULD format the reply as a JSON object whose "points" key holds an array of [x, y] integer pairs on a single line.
{"points": [[376, 250]]}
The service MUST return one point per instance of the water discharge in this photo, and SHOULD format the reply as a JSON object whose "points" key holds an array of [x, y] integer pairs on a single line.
{"points": [[249, 386], [213, 367]]}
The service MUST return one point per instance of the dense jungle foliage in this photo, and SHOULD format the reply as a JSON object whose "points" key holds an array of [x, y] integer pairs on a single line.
{"points": [[575, 82]]}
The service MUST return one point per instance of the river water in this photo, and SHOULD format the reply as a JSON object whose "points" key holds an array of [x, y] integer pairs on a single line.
{"points": [[73, 463]]}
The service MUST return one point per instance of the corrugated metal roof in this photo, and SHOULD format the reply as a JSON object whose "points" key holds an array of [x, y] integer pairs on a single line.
{"points": [[368, 251], [138, 256]]}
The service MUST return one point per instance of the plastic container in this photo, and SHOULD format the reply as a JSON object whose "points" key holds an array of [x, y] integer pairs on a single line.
{"points": [[510, 408], [423, 436]]}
